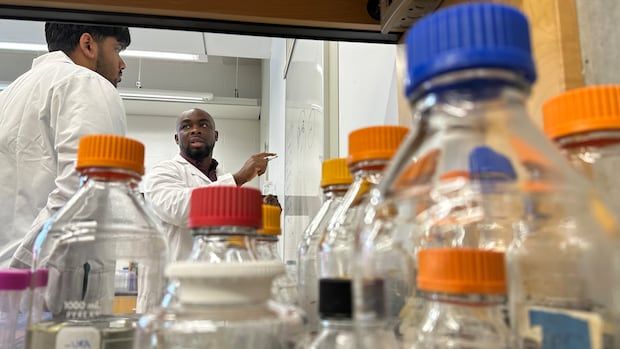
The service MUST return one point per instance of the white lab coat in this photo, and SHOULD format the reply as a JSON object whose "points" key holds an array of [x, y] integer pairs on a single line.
{"points": [[43, 114], [167, 188]]}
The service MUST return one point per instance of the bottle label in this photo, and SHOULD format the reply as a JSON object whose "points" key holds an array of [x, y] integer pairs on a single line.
{"points": [[78, 338], [553, 328]]}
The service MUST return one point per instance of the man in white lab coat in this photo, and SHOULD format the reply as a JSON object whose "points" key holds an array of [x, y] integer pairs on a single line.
{"points": [[68, 93], [169, 184]]}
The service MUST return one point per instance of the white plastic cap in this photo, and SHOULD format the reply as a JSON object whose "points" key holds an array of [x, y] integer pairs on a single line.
{"points": [[225, 283]]}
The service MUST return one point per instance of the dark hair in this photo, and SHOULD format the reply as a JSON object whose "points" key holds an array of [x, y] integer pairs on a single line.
{"points": [[66, 36]]}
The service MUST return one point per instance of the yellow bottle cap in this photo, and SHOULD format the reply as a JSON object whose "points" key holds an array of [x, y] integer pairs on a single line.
{"points": [[271, 220], [335, 171]]}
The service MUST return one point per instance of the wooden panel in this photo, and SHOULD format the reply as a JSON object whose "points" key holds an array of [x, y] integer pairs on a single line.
{"points": [[345, 14], [555, 36]]}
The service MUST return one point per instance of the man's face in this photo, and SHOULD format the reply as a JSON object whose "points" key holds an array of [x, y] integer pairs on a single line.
{"points": [[196, 134], [110, 65]]}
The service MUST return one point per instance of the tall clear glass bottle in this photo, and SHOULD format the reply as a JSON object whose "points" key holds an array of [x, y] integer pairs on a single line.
{"points": [[370, 150], [470, 71], [104, 228], [284, 288], [464, 291], [335, 181]]}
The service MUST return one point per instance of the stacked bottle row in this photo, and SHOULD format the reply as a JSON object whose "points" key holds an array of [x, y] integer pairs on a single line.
{"points": [[470, 230], [477, 233]]}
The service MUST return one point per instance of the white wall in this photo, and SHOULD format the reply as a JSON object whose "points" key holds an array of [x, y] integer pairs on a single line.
{"points": [[367, 87], [238, 140]]}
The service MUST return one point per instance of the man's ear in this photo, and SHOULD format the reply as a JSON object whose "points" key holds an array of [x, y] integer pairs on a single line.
{"points": [[217, 135], [88, 46], [176, 139]]}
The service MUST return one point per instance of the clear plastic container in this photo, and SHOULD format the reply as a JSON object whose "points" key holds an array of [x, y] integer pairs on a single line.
{"points": [[470, 71], [223, 306], [103, 228], [335, 181], [284, 288], [370, 149], [14, 285], [585, 124], [463, 291]]}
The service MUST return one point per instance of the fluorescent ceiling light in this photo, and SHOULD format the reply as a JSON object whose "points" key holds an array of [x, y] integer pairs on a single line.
{"points": [[18, 46], [156, 97], [173, 56]]}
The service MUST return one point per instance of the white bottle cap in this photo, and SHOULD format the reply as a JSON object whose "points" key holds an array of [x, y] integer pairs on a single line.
{"points": [[224, 283]]}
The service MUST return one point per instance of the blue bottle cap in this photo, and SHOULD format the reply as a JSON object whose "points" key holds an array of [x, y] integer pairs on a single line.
{"points": [[481, 35], [486, 163]]}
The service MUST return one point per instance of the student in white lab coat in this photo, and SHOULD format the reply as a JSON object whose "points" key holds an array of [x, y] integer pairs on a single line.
{"points": [[68, 93], [169, 184]]}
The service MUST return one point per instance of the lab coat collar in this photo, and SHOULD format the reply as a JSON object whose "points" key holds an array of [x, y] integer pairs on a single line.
{"points": [[55, 56], [194, 171]]}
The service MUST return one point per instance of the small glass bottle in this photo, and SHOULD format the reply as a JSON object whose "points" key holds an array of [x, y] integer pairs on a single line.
{"points": [[105, 227], [464, 291], [370, 150], [585, 124], [284, 288], [335, 181], [224, 305]]}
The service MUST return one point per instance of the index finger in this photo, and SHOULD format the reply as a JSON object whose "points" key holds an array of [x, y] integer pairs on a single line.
{"points": [[264, 155]]}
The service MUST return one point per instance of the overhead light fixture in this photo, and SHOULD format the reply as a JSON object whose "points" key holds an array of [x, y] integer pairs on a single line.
{"points": [[172, 56], [157, 97], [19, 46]]}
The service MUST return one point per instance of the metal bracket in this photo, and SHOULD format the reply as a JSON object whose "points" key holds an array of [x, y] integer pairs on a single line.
{"points": [[399, 15]]}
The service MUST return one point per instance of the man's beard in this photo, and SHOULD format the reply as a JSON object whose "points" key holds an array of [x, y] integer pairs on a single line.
{"points": [[100, 68], [199, 154]]}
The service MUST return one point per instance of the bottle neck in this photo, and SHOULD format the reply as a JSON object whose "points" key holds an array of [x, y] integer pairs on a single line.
{"points": [[226, 231], [477, 300], [486, 84], [337, 324], [335, 191], [594, 139], [369, 170], [101, 174]]}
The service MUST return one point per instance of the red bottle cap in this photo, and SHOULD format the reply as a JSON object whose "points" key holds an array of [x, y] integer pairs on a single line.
{"points": [[217, 206]]}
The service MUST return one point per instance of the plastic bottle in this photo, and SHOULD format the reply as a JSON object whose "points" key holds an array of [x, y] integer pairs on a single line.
{"points": [[370, 149], [103, 228], [464, 291], [284, 288], [585, 124], [335, 181], [13, 290], [470, 71], [223, 305]]}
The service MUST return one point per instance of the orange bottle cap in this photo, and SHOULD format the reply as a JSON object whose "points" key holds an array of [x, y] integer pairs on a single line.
{"points": [[271, 220], [335, 171], [580, 110], [461, 270], [110, 151], [375, 143]]}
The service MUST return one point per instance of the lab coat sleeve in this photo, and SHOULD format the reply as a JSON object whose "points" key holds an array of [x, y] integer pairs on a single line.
{"points": [[168, 193], [80, 105]]}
